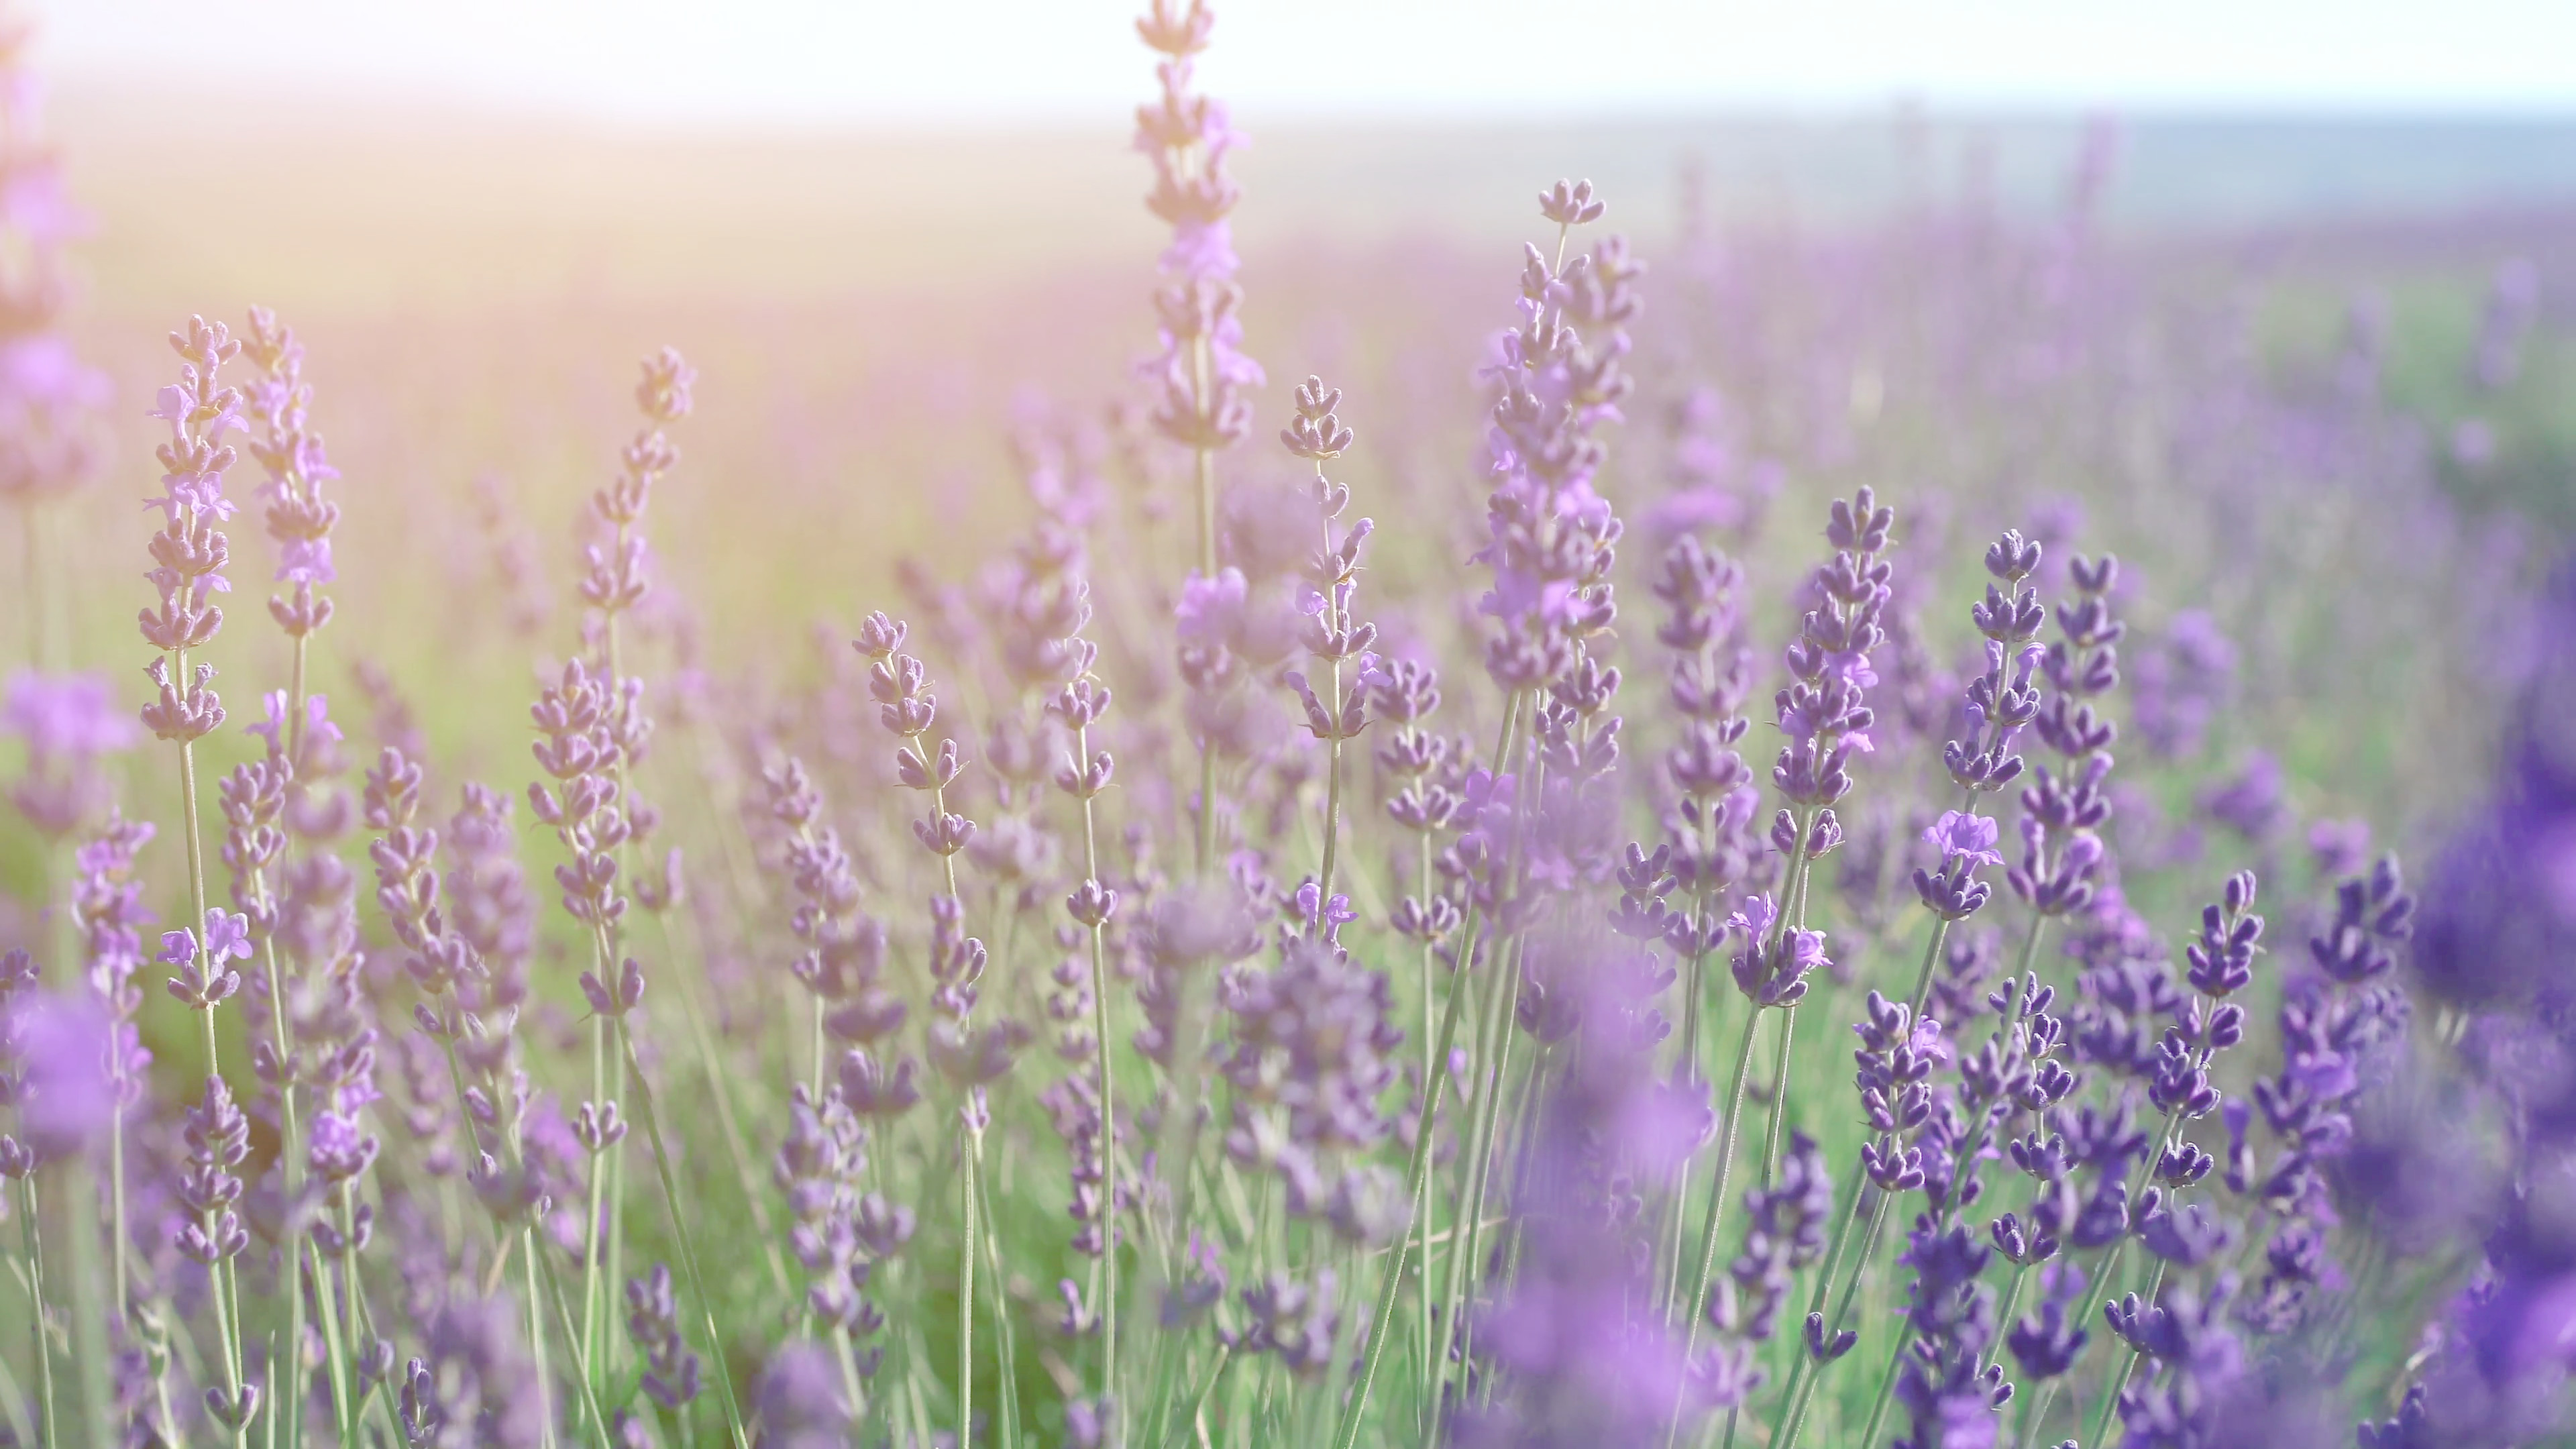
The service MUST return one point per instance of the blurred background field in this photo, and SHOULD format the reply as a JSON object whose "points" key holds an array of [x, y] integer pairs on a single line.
{"points": [[876, 309]]}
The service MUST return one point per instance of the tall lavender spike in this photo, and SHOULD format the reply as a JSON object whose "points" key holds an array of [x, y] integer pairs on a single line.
{"points": [[1333, 635], [1079, 705], [2063, 810], [299, 517], [1551, 543], [907, 710], [188, 556], [1824, 715], [819, 1167], [1202, 370]]}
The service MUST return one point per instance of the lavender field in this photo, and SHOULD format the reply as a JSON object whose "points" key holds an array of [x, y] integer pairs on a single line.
{"points": [[1870, 782]]}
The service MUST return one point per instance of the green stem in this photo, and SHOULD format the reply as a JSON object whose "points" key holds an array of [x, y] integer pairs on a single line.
{"points": [[582, 1371], [1843, 1311], [971, 1150], [1707, 1257], [1005, 1350], [336, 1343], [1886, 1396], [116, 1187], [1465, 1258], [1931, 960], [537, 1333], [281, 1405], [720, 1091], [76, 1191], [680, 1230], [33, 1241], [594, 1311], [1102, 1086], [2122, 1365], [1432, 1066], [1418, 1171], [1779, 1097]]}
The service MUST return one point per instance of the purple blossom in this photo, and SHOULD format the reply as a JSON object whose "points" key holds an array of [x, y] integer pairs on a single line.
{"points": [[1965, 837]]}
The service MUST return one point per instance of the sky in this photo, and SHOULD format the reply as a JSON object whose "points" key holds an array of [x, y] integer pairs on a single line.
{"points": [[945, 62]]}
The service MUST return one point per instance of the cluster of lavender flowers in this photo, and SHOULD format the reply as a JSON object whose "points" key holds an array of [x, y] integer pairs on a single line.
{"points": [[1425, 1010]]}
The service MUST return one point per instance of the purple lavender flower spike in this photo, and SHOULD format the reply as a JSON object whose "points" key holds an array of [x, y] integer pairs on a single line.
{"points": [[799, 1402], [671, 1374], [299, 517]]}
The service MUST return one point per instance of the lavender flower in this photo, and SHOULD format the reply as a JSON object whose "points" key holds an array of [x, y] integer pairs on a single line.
{"points": [[2064, 809], [299, 518], [69, 724], [653, 1322], [1550, 538], [2001, 702], [1201, 369]]}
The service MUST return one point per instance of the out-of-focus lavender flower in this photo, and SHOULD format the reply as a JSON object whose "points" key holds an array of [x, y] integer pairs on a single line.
{"points": [[2250, 803], [2047, 1342], [2199, 1357], [476, 1389], [2339, 847], [1949, 1392], [1579, 1362], [1784, 1233], [58, 1081], [49, 399], [671, 1377], [218, 1137], [107, 905], [2178, 683], [2512, 307], [69, 722], [1293, 1320], [799, 1402], [1715, 482]]}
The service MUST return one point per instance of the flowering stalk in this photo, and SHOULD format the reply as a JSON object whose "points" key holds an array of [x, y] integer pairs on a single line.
{"points": [[1332, 636], [2222, 963], [1418, 1169], [1201, 368], [1083, 775], [1998, 706], [19, 1162], [298, 517], [188, 555], [906, 708], [1770, 968], [616, 580]]}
